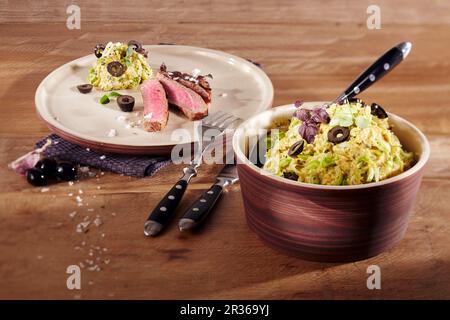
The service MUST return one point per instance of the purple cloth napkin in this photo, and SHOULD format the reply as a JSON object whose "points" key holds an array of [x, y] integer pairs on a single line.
{"points": [[136, 166]]}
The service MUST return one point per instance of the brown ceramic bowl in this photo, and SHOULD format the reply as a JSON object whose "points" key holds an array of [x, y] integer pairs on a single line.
{"points": [[327, 223]]}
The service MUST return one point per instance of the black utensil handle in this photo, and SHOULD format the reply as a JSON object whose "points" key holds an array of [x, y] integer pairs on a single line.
{"points": [[165, 209], [376, 71], [200, 209]]}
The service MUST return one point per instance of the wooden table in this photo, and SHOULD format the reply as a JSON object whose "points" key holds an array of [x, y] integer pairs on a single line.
{"points": [[310, 51]]}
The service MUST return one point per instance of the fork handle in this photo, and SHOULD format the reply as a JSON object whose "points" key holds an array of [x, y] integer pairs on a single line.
{"points": [[165, 210], [200, 209]]}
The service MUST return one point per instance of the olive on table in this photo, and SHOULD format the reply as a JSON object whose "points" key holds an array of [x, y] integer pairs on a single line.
{"points": [[36, 177], [126, 103], [47, 166], [66, 171]]}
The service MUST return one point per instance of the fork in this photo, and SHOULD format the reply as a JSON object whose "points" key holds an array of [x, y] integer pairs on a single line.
{"points": [[212, 127]]}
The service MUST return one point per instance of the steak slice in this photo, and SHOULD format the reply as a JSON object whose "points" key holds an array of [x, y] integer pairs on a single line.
{"points": [[193, 106], [155, 105]]}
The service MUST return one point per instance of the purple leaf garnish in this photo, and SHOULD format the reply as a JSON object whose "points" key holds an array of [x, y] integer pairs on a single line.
{"points": [[298, 103], [28, 160], [320, 115], [308, 131], [303, 114]]}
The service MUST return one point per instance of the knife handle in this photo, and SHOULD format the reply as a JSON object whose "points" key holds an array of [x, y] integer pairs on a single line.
{"points": [[377, 70], [165, 210], [200, 209]]}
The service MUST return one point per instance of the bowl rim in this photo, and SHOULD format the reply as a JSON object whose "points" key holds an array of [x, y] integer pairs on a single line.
{"points": [[242, 159]]}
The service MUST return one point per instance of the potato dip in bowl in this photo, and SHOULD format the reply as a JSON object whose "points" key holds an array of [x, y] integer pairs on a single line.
{"points": [[329, 222], [337, 144]]}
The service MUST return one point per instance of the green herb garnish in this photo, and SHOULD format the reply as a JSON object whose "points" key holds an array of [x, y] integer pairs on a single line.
{"points": [[104, 99], [128, 55], [114, 94]]}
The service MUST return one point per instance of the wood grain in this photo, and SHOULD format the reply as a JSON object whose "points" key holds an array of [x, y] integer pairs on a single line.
{"points": [[310, 50]]}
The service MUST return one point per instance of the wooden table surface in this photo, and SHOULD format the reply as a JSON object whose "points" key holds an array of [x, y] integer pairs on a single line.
{"points": [[310, 50]]}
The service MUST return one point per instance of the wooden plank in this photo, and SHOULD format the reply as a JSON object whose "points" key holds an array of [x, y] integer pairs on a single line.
{"points": [[311, 51]]}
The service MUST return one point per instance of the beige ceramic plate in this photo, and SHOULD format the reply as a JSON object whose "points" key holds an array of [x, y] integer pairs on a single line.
{"points": [[239, 87]]}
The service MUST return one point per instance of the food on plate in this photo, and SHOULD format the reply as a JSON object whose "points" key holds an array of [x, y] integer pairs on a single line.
{"points": [[119, 66], [125, 102], [124, 66], [338, 144], [84, 88], [155, 105], [191, 94], [105, 99]]}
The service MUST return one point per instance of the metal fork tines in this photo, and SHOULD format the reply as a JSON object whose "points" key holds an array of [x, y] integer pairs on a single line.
{"points": [[212, 126]]}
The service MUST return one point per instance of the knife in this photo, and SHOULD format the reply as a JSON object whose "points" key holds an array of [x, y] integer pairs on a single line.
{"points": [[200, 209]]}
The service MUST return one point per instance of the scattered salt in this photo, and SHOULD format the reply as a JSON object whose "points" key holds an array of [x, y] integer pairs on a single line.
{"points": [[103, 157], [196, 72], [70, 183], [84, 169], [70, 194], [45, 189], [80, 191], [72, 214], [98, 222], [83, 227], [112, 133]]}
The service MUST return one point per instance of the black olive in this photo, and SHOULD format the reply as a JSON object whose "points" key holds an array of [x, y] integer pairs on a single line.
{"points": [[296, 148], [84, 88], [137, 46], [378, 111], [356, 100], [338, 134], [126, 103], [36, 177], [66, 171], [290, 176], [115, 68], [47, 166], [98, 50]]}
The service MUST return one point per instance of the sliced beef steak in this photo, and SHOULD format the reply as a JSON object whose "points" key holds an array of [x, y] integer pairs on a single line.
{"points": [[155, 105], [191, 103]]}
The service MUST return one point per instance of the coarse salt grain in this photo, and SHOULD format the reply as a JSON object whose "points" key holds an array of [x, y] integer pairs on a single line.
{"points": [[45, 189], [70, 183], [79, 199], [70, 194], [72, 214], [112, 133], [98, 222], [83, 227], [80, 191], [103, 157]]}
